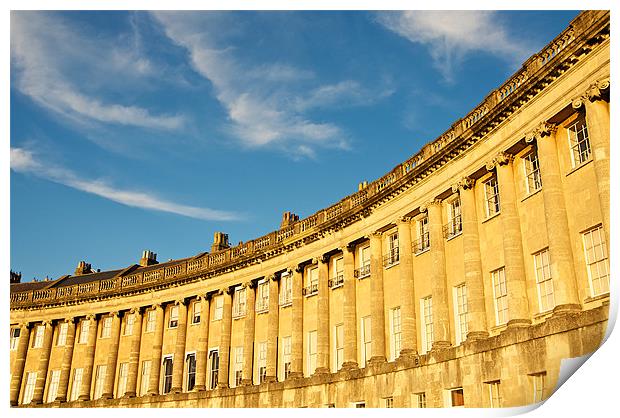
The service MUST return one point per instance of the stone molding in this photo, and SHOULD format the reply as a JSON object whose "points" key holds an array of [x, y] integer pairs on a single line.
{"points": [[541, 130], [599, 90], [502, 158]]}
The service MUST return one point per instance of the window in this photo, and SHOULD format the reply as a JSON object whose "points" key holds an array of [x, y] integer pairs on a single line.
{"points": [[533, 182], [423, 242], [364, 263], [578, 141], [262, 361], [218, 311], [456, 398], [150, 321], [99, 380], [311, 352], [262, 296], [460, 312], [359, 404], [239, 302], [286, 356], [167, 382], [391, 257], [106, 327], [338, 278], [338, 346], [52, 390], [31, 380], [313, 282], [495, 397], [544, 282], [196, 312], [491, 196], [38, 337], [129, 321], [62, 334], [121, 388], [596, 260], [214, 367], [366, 340], [426, 308], [419, 400], [77, 383], [538, 386], [238, 365], [388, 402], [500, 296], [395, 331], [15, 332], [455, 224], [190, 360], [173, 321], [286, 289], [145, 377]]}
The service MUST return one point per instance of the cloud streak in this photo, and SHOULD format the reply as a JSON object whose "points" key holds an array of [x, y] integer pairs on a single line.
{"points": [[24, 161], [41, 48], [451, 35]]}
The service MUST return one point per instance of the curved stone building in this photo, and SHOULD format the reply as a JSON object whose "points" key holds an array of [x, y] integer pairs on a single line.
{"points": [[460, 278]]}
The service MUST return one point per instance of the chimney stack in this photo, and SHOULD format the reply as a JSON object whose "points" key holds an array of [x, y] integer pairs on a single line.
{"points": [[16, 277], [148, 258], [220, 242], [288, 218], [82, 268]]}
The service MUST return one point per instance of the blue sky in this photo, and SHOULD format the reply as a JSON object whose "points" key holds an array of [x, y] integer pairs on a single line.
{"points": [[136, 130]]}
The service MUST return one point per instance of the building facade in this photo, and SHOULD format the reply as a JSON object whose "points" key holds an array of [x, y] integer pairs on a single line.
{"points": [[461, 278]]}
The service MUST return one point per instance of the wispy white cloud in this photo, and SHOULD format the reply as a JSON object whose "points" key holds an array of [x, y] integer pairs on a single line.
{"points": [[24, 161], [263, 103], [344, 93], [451, 35], [50, 57]]}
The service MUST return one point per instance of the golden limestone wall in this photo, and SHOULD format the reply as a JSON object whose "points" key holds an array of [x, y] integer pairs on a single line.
{"points": [[464, 287]]}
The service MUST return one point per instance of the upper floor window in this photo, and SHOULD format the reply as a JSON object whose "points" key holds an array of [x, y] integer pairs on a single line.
{"points": [[338, 347], [395, 332], [106, 327], [31, 380], [500, 296], [491, 196], [423, 242], [130, 319], [84, 328], [312, 281], [196, 307], [544, 282], [366, 339], [38, 336], [62, 334], [338, 273], [262, 361], [52, 390], [262, 296], [167, 377], [76, 385], [286, 289], [460, 312], [190, 361], [218, 310], [239, 302], [578, 141], [238, 365], [455, 224], [533, 182], [427, 323], [286, 355], [596, 260], [15, 332], [150, 320], [391, 257], [311, 352], [173, 321], [121, 388], [364, 262]]}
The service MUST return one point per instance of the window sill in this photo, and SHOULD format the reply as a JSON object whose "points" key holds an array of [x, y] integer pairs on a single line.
{"points": [[602, 296], [337, 286], [216, 319], [423, 251], [534, 193], [576, 168], [195, 323], [455, 235], [311, 294], [262, 311], [363, 277], [235, 317], [286, 304], [495, 215], [391, 265]]}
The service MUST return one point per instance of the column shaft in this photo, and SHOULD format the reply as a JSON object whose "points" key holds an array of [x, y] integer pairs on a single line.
{"points": [[158, 339], [20, 362], [377, 308], [202, 347], [407, 310], [222, 377], [179, 349], [67, 356], [349, 311], [87, 375], [44, 360], [322, 327], [134, 354], [108, 384], [248, 333], [297, 326], [272, 331]]}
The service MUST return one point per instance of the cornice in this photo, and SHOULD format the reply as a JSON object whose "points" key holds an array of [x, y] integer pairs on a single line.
{"points": [[586, 31]]}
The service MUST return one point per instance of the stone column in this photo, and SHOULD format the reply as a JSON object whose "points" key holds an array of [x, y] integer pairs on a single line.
{"points": [[158, 339], [272, 330], [179, 348], [115, 334], [91, 342], [472, 261], [322, 327], [134, 354], [377, 309], [44, 359], [560, 250], [226, 323], [248, 333], [67, 356], [407, 307], [439, 286], [596, 103], [297, 326], [518, 305], [202, 347], [349, 310], [20, 362]]}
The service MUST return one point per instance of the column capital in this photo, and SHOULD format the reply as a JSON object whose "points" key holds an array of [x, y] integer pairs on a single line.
{"points": [[597, 90], [69, 319], [404, 220], [543, 129], [135, 310], [274, 277], [114, 314], [299, 268], [25, 325], [156, 306], [463, 184], [375, 234], [502, 158], [180, 301], [46, 322], [434, 202], [91, 317]]}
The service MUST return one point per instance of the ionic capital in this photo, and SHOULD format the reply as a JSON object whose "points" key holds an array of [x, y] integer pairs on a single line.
{"points": [[114, 314], [46, 323], [274, 277], [178, 302], [25, 325], [156, 306], [597, 90], [404, 220], [465, 183], [376, 234], [425, 206], [135, 311], [502, 158], [543, 129], [69, 320], [91, 317]]}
